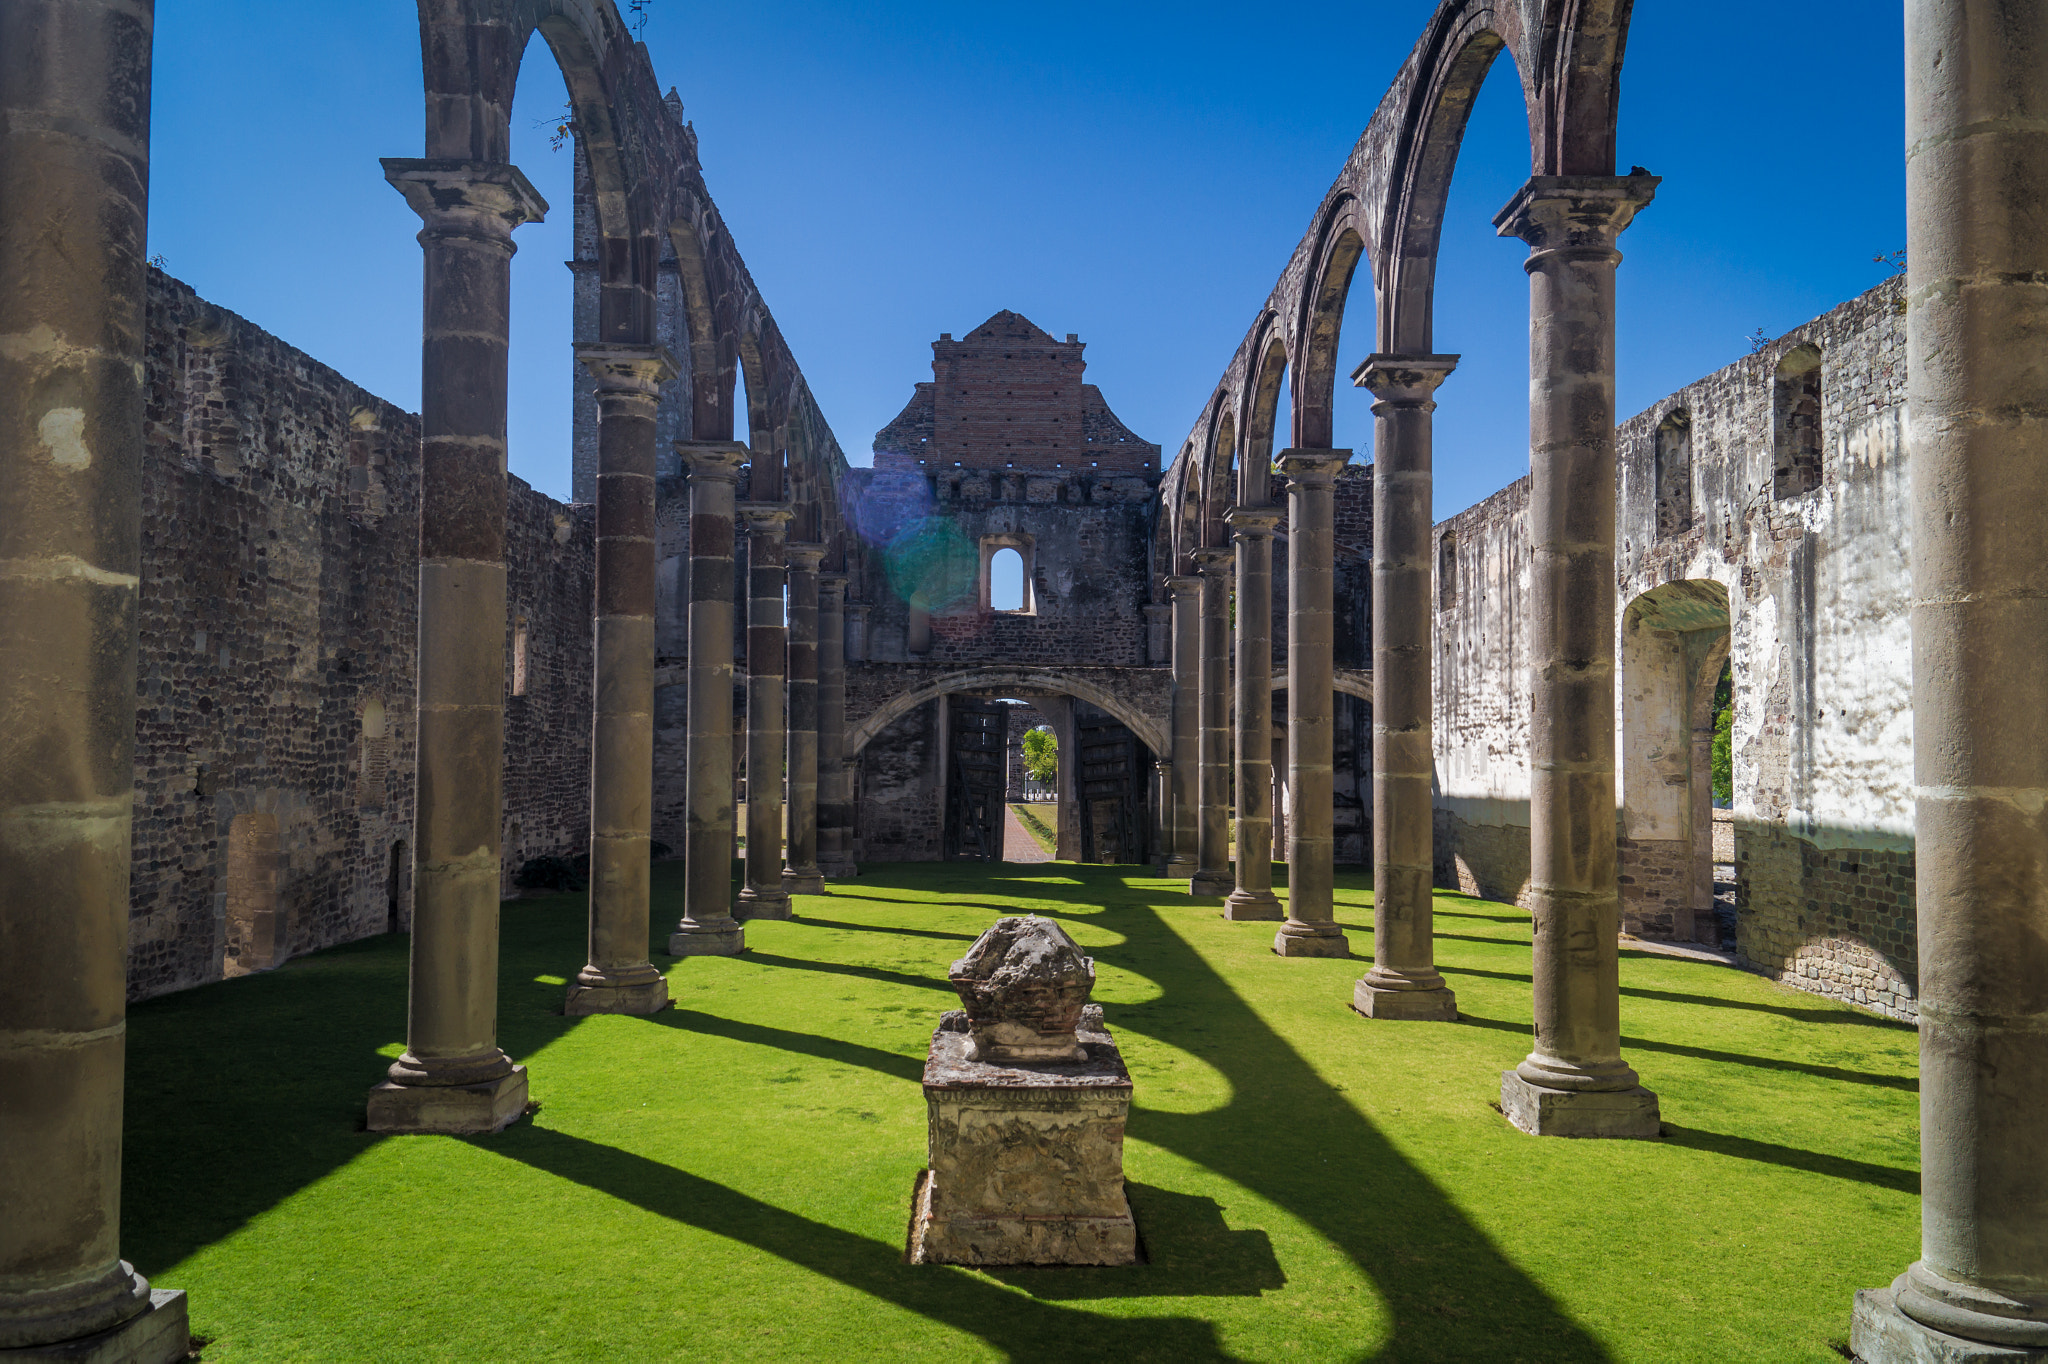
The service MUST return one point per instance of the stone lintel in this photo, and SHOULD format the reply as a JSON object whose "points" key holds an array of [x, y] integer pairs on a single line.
{"points": [[160, 1334], [1546, 1112], [1312, 466], [1551, 212], [1403, 378], [640, 1000], [1424, 1006], [620, 368], [1255, 521], [1879, 1333], [447, 192], [455, 1110]]}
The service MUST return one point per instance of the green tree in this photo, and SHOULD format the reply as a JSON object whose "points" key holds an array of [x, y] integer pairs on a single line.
{"points": [[1724, 718], [1042, 755]]}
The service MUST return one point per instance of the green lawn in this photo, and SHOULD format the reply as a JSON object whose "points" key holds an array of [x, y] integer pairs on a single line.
{"points": [[731, 1179]]}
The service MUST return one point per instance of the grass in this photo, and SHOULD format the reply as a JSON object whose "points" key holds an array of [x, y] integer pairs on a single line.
{"points": [[1037, 820], [731, 1179]]}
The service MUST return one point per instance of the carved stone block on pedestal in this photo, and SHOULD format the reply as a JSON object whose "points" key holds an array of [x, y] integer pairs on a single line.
{"points": [[1026, 1162], [1545, 1112], [1027, 1098]]}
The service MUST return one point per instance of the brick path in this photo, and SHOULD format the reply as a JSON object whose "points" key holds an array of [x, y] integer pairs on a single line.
{"points": [[1018, 844]]}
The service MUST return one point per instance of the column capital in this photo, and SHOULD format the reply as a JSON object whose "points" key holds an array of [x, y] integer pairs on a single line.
{"points": [[1253, 523], [1403, 380], [1312, 468], [639, 371], [1576, 215], [831, 586], [712, 460], [1214, 561], [766, 518], [804, 557], [1183, 586], [466, 198]]}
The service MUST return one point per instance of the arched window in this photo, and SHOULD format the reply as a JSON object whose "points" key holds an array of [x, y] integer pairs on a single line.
{"points": [[376, 756], [1674, 474], [1795, 423], [1006, 581]]}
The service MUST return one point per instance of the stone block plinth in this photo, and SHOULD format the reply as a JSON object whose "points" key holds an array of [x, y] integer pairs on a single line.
{"points": [[1421, 1006], [1253, 907], [803, 883], [456, 1110], [724, 940], [160, 1334], [1311, 943], [1211, 885], [752, 904], [1547, 1112], [1026, 1162], [642, 999], [1879, 1333]]}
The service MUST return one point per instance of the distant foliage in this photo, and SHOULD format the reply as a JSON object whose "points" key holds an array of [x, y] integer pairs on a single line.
{"points": [[1042, 755], [1723, 762]]}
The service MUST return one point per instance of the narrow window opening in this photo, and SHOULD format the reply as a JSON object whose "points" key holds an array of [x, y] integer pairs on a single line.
{"points": [[1674, 474], [1006, 581], [1795, 412], [1447, 573], [376, 756], [519, 671]]}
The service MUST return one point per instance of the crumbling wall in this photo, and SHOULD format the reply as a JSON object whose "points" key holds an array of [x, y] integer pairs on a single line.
{"points": [[277, 631], [899, 789], [1818, 593]]}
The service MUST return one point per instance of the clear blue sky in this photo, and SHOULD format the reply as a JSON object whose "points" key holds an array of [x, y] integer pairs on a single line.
{"points": [[1136, 173]]}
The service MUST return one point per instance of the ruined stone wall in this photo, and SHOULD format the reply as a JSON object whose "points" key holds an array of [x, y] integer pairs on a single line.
{"points": [[550, 583], [1816, 586], [899, 789], [277, 645]]}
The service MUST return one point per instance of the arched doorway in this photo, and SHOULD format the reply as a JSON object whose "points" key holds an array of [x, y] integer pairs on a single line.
{"points": [[1674, 646]]}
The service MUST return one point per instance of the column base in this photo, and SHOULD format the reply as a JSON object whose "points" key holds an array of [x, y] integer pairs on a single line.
{"points": [[1879, 1333], [1211, 885], [160, 1334], [755, 903], [1422, 1006], [1542, 1112], [1307, 942], [1253, 906], [454, 1110], [1180, 868], [727, 939], [642, 999], [803, 883], [838, 871]]}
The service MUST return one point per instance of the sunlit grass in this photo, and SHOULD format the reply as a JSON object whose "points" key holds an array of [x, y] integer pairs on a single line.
{"points": [[731, 1180]]}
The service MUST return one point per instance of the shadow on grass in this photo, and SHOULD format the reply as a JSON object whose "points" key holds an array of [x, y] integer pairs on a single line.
{"points": [[839, 968], [1793, 1158], [812, 922], [1840, 1015], [809, 1044], [1190, 1252], [1024, 1327], [1907, 1083]]}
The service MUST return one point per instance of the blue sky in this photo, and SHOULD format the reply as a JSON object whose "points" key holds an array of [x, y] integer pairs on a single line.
{"points": [[1136, 173]]}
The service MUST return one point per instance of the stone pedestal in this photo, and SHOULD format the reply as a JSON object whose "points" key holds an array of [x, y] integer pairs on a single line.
{"points": [[453, 1109], [643, 997], [1879, 1333], [1419, 1006], [1026, 1161], [1545, 1112], [160, 1334]]}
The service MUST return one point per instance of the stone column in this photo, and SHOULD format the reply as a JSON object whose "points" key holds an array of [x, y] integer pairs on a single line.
{"points": [[835, 772], [452, 1076], [1212, 823], [707, 927], [74, 178], [1187, 725], [1252, 529], [619, 979], [1976, 170], [762, 897], [1403, 982], [1574, 1083], [1311, 928], [801, 876]]}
